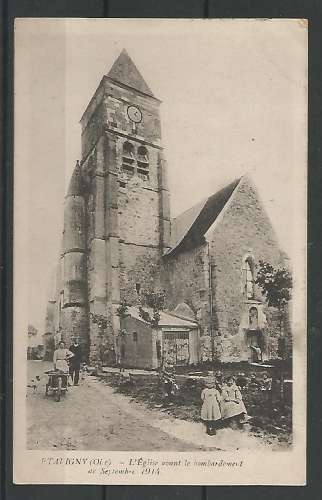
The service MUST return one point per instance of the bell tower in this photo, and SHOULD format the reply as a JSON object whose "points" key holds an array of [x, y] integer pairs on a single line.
{"points": [[127, 198]]}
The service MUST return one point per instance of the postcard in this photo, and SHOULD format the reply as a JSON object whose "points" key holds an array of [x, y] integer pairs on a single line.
{"points": [[160, 176]]}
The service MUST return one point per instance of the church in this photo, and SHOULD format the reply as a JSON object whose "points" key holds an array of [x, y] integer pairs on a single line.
{"points": [[119, 239]]}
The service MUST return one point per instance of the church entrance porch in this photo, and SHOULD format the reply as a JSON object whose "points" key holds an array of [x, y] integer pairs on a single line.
{"points": [[176, 347], [174, 340], [255, 346], [253, 326], [250, 343]]}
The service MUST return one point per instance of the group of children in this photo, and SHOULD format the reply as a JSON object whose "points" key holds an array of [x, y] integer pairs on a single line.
{"points": [[222, 403]]}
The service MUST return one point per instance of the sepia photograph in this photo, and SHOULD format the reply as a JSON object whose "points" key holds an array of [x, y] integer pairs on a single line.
{"points": [[160, 251]]}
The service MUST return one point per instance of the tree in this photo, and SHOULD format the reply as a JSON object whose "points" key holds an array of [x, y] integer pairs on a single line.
{"points": [[101, 321], [122, 310], [276, 286], [154, 300]]}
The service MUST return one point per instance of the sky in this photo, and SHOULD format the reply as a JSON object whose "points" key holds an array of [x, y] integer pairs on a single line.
{"points": [[234, 100]]}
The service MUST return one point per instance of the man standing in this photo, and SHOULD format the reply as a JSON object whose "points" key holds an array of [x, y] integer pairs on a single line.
{"points": [[75, 361]]}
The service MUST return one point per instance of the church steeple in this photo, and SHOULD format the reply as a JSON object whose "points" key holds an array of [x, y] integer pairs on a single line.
{"points": [[124, 71]]}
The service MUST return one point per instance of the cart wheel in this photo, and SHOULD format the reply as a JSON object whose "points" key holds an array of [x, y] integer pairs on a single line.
{"points": [[46, 393], [58, 392]]}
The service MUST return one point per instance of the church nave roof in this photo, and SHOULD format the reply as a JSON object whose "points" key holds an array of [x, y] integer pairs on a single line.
{"points": [[194, 223]]}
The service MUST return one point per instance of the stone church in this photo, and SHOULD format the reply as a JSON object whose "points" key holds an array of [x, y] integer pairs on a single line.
{"points": [[119, 239]]}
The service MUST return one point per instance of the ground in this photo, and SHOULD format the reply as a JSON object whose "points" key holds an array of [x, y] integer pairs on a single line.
{"points": [[96, 415], [89, 417]]}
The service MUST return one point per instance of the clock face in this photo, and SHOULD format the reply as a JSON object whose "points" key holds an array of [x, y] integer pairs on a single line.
{"points": [[134, 114]]}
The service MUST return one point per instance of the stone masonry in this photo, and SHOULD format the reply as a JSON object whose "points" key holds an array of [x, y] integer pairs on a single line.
{"points": [[118, 239]]}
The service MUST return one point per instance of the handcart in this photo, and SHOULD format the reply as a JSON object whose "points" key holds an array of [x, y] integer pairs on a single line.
{"points": [[57, 384]]}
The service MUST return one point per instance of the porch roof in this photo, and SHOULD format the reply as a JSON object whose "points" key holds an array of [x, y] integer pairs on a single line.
{"points": [[166, 318]]}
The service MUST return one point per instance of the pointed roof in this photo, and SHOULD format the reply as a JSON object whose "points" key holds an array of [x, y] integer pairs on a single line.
{"points": [[75, 187], [124, 71], [184, 311], [181, 224], [192, 224]]}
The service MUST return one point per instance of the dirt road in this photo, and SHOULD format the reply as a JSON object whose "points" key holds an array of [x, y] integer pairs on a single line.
{"points": [[90, 417], [94, 417]]}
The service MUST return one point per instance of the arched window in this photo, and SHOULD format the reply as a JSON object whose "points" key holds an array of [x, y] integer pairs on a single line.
{"points": [[143, 157], [143, 163], [128, 151], [128, 158], [248, 277]]}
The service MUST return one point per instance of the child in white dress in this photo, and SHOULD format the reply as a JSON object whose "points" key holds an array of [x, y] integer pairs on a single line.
{"points": [[232, 405], [210, 410]]}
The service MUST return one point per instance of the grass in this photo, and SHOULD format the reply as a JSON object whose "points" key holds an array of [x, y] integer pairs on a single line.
{"points": [[270, 416]]}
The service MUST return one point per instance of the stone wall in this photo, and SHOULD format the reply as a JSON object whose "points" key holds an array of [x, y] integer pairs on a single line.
{"points": [[123, 212], [138, 215], [71, 301], [74, 323], [97, 243], [138, 353], [117, 99], [108, 109], [94, 129], [185, 278], [139, 233], [244, 228], [138, 265], [75, 278]]}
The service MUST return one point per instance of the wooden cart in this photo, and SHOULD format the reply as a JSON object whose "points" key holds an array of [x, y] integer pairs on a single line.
{"points": [[57, 384]]}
